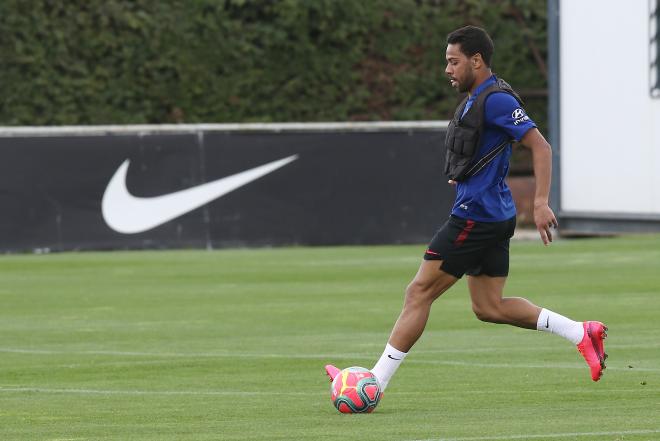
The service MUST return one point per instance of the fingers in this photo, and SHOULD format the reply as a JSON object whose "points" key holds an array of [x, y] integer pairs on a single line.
{"points": [[545, 221], [553, 222], [546, 231]]}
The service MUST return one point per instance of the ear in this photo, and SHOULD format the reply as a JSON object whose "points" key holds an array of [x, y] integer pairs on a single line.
{"points": [[476, 61]]}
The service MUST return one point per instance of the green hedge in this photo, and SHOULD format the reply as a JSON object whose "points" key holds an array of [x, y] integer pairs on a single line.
{"points": [[142, 61]]}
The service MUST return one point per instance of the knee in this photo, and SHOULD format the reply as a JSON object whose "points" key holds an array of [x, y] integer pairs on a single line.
{"points": [[418, 292], [487, 313]]}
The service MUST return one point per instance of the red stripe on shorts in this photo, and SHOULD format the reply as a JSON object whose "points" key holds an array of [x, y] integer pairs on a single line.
{"points": [[432, 252], [465, 233]]}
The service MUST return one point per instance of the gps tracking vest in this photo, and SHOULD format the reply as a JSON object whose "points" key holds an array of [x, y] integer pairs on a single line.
{"points": [[464, 135]]}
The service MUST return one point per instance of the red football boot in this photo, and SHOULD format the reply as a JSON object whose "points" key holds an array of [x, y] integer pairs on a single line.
{"points": [[332, 371], [592, 349]]}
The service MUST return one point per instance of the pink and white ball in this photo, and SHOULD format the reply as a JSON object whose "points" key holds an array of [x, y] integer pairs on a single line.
{"points": [[355, 390]]}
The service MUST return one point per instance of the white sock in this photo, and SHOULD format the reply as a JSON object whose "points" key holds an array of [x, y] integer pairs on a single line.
{"points": [[387, 365], [558, 324]]}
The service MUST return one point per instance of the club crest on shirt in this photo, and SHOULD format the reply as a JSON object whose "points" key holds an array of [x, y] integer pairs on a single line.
{"points": [[519, 116]]}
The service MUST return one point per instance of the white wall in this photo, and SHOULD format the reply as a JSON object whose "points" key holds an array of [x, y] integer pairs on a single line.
{"points": [[610, 125]]}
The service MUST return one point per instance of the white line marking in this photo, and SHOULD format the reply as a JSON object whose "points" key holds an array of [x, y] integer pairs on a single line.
{"points": [[16, 389], [547, 435], [527, 348], [183, 354], [143, 129], [147, 392], [528, 365], [320, 357]]}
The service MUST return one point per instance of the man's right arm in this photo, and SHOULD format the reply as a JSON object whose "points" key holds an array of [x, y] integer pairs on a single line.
{"points": [[544, 218]]}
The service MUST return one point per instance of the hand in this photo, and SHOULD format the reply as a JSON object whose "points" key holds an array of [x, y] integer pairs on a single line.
{"points": [[544, 219], [451, 182]]}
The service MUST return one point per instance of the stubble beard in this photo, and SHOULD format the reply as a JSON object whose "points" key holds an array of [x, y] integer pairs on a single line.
{"points": [[465, 86]]}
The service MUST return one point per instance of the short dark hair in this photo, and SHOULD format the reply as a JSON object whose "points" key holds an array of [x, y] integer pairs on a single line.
{"points": [[473, 40]]}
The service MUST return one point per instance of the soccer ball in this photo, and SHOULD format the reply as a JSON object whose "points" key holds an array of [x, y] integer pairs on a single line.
{"points": [[355, 390]]}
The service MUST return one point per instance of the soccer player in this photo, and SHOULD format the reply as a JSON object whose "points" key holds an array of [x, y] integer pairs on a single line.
{"points": [[475, 239]]}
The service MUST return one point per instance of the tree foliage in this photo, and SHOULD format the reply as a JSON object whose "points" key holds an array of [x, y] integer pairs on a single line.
{"points": [[148, 61]]}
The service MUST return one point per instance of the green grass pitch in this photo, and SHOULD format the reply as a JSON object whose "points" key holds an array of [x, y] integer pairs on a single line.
{"points": [[230, 345]]}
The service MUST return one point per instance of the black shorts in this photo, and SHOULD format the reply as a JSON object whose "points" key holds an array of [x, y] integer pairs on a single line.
{"points": [[473, 248]]}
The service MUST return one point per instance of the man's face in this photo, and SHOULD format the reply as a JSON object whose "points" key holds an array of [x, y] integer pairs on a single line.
{"points": [[459, 68]]}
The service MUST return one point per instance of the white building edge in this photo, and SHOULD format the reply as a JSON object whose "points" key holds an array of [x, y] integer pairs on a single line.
{"points": [[604, 83]]}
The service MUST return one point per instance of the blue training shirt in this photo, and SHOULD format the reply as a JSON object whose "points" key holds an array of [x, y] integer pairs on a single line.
{"points": [[485, 197]]}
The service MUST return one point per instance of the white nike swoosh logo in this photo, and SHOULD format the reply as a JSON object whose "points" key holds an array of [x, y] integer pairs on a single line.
{"points": [[128, 214]]}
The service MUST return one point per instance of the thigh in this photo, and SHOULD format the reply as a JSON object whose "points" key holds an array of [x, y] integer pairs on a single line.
{"points": [[432, 279], [486, 291]]}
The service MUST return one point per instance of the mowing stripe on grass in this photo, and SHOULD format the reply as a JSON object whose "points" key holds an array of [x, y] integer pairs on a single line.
{"points": [[320, 357], [547, 435], [528, 366], [147, 392], [45, 390]]}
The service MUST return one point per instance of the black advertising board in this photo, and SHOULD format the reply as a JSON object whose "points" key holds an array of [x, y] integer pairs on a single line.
{"points": [[221, 186]]}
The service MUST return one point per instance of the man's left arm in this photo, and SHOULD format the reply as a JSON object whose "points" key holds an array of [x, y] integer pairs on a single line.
{"points": [[544, 218]]}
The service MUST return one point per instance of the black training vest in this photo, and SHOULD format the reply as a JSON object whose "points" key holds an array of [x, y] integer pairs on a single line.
{"points": [[464, 135]]}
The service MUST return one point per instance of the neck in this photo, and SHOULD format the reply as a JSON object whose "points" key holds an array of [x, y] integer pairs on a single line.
{"points": [[480, 78]]}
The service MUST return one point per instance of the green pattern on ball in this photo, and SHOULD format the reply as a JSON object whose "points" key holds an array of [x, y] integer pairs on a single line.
{"points": [[344, 399], [360, 388]]}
